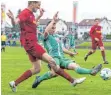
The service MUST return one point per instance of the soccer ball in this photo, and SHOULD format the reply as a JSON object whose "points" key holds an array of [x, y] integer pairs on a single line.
{"points": [[105, 74]]}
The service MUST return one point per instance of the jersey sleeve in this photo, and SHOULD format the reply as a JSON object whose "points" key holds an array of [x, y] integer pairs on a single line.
{"points": [[23, 16]]}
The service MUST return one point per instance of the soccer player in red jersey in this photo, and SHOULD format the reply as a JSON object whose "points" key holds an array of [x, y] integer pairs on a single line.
{"points": [[28, 39], [96, 37]]}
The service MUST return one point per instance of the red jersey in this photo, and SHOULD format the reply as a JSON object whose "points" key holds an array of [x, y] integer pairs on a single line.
{"points": [[27, 26], [95, 32]]}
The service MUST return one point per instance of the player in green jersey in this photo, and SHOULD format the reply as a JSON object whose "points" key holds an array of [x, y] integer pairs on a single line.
{"points": [[54, 48], [72, 42]]}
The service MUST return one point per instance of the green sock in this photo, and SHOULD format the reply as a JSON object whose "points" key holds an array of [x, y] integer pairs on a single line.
{"points": [[46, 76], [83, 70]]}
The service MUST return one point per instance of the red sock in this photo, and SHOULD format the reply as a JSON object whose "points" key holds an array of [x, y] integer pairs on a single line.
{"points": [[103, 55], [65, 75], [23, 77]]}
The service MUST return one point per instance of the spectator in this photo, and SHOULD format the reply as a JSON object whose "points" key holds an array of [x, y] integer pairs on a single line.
{"points": [[3, 41]]}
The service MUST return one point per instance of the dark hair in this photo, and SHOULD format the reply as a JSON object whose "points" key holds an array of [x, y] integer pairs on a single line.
{"points": [[30, 2], [96, 19]]}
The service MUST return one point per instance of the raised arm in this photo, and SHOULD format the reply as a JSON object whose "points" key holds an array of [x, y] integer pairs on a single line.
{"points": [[11, 16], [41, 14], [50, 25]]}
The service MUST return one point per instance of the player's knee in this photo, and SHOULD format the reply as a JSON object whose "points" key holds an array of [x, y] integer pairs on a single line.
{"points": [[76, 66], [37, 70], [53, 65], [102, 48], [53, 74], [73, 66]]}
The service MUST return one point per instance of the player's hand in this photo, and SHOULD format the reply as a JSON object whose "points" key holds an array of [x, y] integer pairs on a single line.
{"points": [[41, 11], [96, 39], [55, 17], [10, 14]]}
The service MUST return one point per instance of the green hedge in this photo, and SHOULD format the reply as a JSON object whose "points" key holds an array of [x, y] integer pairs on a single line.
{"points": [[108, 36]]}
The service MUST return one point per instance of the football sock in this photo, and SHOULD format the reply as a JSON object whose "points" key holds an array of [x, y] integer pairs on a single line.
{"points": [[46, 76], [65, 75], [83, 70], [89, 53], [23, 77], [103, 55]]}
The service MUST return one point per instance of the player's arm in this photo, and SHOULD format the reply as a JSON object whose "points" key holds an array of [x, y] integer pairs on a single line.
{"points": [[41, 14], [11, 16], [92, 30], [54, 20], [66, 51]]}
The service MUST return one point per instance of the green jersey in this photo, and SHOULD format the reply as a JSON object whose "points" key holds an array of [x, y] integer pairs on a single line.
{"points": [[53, 45], [71, 40]]}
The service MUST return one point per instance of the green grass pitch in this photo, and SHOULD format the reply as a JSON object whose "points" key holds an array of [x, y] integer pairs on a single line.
{"points": [[15, 61], [87, 44]]}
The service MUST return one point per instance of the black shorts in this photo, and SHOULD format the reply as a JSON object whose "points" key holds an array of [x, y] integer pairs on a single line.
{"points": [[3, 43]]}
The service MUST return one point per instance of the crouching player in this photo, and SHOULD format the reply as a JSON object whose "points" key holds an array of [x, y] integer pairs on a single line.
{"points": [[54, 47]]}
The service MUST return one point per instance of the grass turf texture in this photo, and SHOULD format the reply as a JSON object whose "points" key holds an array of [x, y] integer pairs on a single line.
{"points": [[15, 62]]}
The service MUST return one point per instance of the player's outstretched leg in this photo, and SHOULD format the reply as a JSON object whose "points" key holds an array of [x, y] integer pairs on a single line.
{"points": [[93, 71], [27, 74], [46, 76], [81, 70], [56, 68], [24, 76], [39, 79]]}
